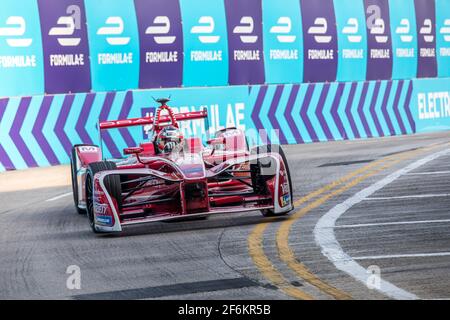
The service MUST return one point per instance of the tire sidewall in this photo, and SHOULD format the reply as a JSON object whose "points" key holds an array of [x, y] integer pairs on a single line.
{"points": [[90, 215], [94, 168]]}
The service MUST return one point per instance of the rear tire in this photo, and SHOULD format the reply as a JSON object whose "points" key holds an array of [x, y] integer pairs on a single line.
{"points": [[74, 169], [268, 149], [112, 184]]}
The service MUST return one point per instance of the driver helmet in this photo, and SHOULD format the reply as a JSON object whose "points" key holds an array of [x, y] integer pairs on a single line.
{"points": [[168, 139]]}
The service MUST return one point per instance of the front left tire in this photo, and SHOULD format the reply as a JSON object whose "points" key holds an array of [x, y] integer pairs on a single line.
{"points": [[112, 184]]}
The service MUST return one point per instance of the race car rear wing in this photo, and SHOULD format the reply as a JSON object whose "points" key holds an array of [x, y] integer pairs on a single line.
{"points": [[144, 121]]}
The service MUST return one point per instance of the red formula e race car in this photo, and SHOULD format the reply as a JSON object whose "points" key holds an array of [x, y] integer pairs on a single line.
{"points": [[172, 177]]}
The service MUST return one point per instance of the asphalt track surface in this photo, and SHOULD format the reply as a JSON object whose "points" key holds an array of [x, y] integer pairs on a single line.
{"points": [[363, 208]]}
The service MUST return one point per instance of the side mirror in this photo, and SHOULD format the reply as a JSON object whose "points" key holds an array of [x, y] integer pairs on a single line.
{"points": [[133, 150]]}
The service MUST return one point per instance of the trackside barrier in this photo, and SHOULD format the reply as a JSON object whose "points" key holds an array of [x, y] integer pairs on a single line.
{"points": [[40, 130], [76, 46]]}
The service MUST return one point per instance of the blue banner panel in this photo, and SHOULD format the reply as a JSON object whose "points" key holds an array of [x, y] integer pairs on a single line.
{"points": [[404, 39], [352, 40], [245, 42], [430, 105], [320, 41], [161, 43], [426, 35], [443, 37], [21, 56], [66, 49], [379, 64], [283, 41], [114, 44], [205, 43]]}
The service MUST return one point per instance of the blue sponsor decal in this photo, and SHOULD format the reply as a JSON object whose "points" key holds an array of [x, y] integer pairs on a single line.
{"points": [[114, 44], [104, 220]]}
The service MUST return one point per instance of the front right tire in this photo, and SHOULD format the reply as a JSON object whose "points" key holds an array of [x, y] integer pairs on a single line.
{"points": [[268, 149]]}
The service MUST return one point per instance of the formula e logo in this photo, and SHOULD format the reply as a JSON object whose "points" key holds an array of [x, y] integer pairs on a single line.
{"points": [[17, 28], [376, 24], [161, 28], [207, 27], [352, 31], [246, 27], [427, 30], [378, 29], [319, 30], [445, 31], [67, 28], [114, 27], [404, 30], [283, 29]]}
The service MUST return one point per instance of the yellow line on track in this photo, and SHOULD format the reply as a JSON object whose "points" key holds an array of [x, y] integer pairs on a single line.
{"points": [[255, 239], [288, 256], [255, 248]]}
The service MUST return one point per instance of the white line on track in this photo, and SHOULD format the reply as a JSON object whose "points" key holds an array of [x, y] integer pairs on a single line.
{"points": [[427, 173], [412, 255], [417, 196], [59, 197], [326, 239], [342, 226]]}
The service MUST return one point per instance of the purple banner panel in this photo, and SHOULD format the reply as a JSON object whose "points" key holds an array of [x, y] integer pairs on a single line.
{"points": [[161, 43], [65, 42], [426, 38], [245, 41], [320, 40], [379, 41]]}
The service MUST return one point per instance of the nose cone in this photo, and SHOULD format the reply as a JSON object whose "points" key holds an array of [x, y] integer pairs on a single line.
{"points": [[191, 165]]}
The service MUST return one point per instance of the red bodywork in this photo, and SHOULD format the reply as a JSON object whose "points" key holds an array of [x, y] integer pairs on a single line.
{"points": [[223, 177]]}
